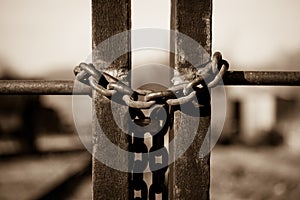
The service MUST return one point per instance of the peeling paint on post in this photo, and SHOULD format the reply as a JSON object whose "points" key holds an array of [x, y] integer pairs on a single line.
{"points": [[189, 176], [109, 18]]}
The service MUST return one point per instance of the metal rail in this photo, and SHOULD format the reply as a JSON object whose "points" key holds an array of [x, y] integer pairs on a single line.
{"points": [[42, 87], [263, 78], [66, 87]]}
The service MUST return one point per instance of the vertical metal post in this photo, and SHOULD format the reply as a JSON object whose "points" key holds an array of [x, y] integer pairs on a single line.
{"points": [[189, 176], [109, 18]]}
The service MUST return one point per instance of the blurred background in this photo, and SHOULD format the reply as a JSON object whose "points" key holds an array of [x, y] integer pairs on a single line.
{"points": [[40, 153]]}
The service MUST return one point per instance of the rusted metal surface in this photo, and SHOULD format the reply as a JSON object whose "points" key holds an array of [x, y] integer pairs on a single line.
{"points": [[191, 18], [42, 87], [109, 18], [108, 183], [283, 78], [189, 176]]}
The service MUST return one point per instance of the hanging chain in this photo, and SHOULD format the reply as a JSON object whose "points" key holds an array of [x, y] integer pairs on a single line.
{"points": [[160, 118], [159, 151], [137, 146], [160, 105]]}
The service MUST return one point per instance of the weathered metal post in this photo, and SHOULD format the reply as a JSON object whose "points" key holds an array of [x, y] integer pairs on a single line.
{"points": [[189, 175], [108, 19]]}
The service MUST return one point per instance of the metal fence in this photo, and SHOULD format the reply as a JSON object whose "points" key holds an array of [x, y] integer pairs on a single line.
{"points": [[65, 87]]}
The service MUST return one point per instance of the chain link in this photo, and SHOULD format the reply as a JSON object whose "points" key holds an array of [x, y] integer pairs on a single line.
{"points": [[137, 146], [161, 106], [137, 104], [161, 118], [158, 150], [108, 85], [90, 76]]}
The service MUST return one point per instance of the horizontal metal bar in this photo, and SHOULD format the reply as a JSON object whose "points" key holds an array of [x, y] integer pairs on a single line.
{"points": [[261, 78], [65, 87], [42, 87]]}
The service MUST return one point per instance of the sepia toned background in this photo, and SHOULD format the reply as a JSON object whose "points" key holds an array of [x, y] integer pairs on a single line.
{"points": [[258, 155]]}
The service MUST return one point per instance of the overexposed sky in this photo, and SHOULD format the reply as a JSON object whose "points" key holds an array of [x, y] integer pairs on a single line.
{"points": [[258, 34], [150, 14], [39, 37]]}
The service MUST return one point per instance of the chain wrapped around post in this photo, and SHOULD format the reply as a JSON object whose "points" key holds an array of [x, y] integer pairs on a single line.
{"points": [[160, 106]]}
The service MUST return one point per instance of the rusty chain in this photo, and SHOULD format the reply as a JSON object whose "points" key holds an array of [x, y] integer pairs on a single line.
{"points": [[138, 164], [158, 150], [176, 95], [157, 124]]}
